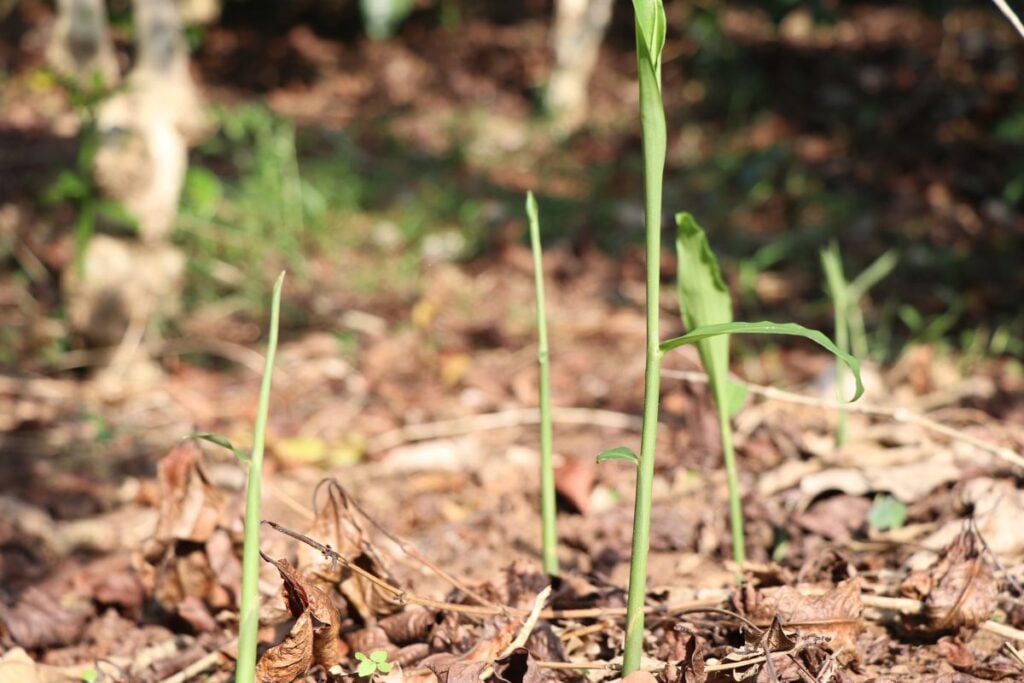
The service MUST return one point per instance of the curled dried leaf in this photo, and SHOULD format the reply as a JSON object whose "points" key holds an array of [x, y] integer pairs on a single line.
{"points": [[834, 616], [958, 591], [290, 658], [307, 603], [336, 525]]}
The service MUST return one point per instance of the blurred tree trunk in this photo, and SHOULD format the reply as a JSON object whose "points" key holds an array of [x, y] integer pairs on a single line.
{"points": [[141, 158], [145, 129], [80, 46], [579, 28]]}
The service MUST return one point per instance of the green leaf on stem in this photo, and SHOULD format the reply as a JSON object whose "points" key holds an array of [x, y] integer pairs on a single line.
{"points": [[764, 327], [221, 441], [619, 453]]}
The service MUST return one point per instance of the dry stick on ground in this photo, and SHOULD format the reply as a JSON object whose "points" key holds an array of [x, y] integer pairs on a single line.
{"points": [[897, 414], [516, 417]]}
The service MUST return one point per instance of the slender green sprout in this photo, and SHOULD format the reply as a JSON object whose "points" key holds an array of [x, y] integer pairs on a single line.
{"points": [[832, 264], [549, 531], [846, 306], [650, 40], [869, 277], [249, 613]]}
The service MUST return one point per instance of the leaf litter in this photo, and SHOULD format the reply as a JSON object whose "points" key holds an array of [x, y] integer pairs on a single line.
{"points": [[815, 614]]}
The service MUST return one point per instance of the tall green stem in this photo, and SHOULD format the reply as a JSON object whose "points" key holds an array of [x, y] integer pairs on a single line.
{"points": [[249, 612], [549, 531], [739, 549], [650, 37]]}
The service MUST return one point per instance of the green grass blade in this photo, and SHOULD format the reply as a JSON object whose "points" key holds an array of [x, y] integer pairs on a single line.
{"points": [[549, 529], [838, 289], [765, 327], [249, 612], [879, 269]]}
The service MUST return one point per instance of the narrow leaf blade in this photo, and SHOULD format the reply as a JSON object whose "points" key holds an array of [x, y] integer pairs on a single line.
{"points": [[221, 441], [619, 453], [766, 327]]}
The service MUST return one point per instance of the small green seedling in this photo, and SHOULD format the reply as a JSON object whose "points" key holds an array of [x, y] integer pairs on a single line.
{"points": [[549, 531], [376, 663], [706, 308], [886, 513], [249, 611], [846, 308]]}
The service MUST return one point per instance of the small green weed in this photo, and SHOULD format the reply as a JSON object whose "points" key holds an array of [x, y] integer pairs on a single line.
{"points": [[886, 513], [369, 666], [847, 310]]}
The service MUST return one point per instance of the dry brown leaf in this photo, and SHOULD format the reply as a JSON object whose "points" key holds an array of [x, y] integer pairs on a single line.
{"points": [[693, 663], [41, 620], [958, 591], [301, 598], [640, 677], [290, 658], [836, 517], [190, 506], [336, 526], [834, 616], [451, 669], [191, 531]]}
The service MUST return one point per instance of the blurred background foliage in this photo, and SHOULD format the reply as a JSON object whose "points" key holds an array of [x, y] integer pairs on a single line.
{"points": [[360, 141]]}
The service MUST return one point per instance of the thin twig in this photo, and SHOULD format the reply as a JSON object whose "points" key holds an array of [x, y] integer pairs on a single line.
{"points": [[896, 414], [502, 419], [1014, 652], [530, 623], [1010, 15], [197, 667]]}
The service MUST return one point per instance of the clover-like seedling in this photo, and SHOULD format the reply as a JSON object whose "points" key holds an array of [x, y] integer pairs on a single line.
{"points": [[377, 662]]}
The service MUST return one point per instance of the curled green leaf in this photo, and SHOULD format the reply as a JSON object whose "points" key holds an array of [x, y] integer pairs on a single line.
{"points": [[765, 327]]}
